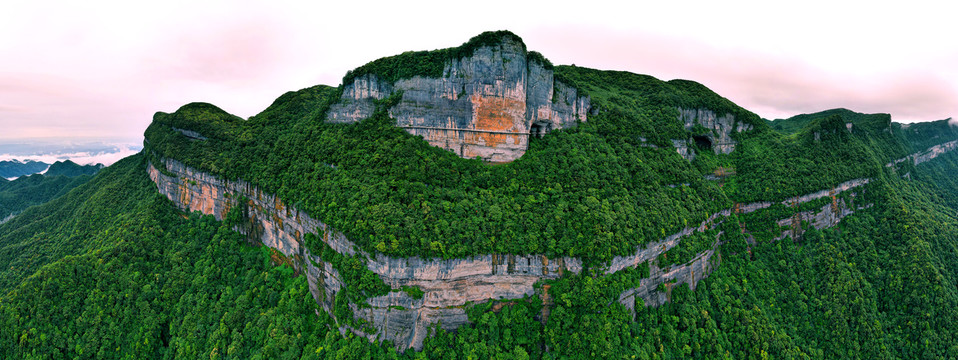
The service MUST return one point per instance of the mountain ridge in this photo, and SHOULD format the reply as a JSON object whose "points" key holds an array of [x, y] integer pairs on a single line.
{"points": [[687, 131], [669, 223]]}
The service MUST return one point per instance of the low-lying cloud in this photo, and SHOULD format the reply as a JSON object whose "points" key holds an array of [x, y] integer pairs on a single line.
{"points": [[105, 157]]}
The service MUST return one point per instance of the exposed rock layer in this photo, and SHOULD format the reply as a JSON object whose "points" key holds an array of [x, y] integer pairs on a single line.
{"points": [[448, 284], [930, 153], [486, 105], [718, 134]]}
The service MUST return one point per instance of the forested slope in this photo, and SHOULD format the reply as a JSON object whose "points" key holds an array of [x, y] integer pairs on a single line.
{"points": [[880, 285], [113, 270], [26, 191]]}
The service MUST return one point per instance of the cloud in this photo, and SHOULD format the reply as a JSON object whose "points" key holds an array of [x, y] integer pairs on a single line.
{"points": [[105, 157], [105, 75], [771, 85], [52, 105], [231, 52], [102, 68]]}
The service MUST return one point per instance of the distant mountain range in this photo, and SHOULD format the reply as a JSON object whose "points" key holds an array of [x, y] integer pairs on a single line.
{"points": [[33, 189], [70, 168], [16, 168], [10, 169], [481, 202]]}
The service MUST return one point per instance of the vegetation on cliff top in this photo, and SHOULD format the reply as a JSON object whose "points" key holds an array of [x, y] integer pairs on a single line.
{"points": [[70, 168], [146, 281], [602, 189], [113, 270], [592, 192], [431, 63]]}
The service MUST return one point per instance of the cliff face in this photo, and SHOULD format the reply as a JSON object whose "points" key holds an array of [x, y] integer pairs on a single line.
{"points": [[930, 153], [447, 284], [487, 105], [718, 135]]}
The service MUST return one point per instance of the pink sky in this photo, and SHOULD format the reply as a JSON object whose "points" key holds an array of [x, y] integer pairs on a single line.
{"points": [[100, 69]]}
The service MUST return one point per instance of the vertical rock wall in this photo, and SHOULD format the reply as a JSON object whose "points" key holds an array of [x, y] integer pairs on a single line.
{"points": [[449, 284], [486, 105], [930, 153], [720, 132]]}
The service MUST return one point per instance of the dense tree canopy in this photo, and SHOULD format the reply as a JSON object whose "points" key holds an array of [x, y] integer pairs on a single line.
{"points": [[111, 269]]}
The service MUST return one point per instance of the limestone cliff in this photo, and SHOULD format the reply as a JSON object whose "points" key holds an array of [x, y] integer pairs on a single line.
{"points": [[717, 134], [486, 105], [930, 153], [447, 284]]}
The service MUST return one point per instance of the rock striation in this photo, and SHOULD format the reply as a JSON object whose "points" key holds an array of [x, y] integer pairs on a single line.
{"points": [[828, 216], [486, 105]]}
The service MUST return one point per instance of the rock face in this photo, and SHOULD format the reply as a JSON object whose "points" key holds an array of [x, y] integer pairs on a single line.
{"points": [[691, 273], [828, 216], [447, 284], [487, 105], [719, 136], [193, 135], [930, 153]]}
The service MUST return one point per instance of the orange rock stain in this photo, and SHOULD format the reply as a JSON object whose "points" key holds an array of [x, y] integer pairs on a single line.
{"points": [[493, 114]]}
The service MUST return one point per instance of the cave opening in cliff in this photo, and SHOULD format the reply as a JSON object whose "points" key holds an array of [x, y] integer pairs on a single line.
{"points": [[535, 130], [702, 142], [539, 130]]}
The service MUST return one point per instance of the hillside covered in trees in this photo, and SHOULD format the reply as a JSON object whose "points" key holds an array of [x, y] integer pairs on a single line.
{"points": [[112, 269], [30, 190]]}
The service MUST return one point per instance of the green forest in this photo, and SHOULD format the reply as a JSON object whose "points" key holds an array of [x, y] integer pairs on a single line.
{"points": [[103, 266], [30, 190]]}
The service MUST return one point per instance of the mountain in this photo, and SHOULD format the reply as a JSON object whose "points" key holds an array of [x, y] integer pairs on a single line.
{"points": [[70, 168], [16, 168], [26, 191], [480, 202]]}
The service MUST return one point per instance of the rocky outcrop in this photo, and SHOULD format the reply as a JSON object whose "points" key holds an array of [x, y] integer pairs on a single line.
{"points": [[358, 99], [747, 208], [450, 284], [828, 216], [838, 189], [656, 289], [486, 105], [682, 147], [718, 137], [447, 284], [930, 153], [656, 248], [192, 135]]}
